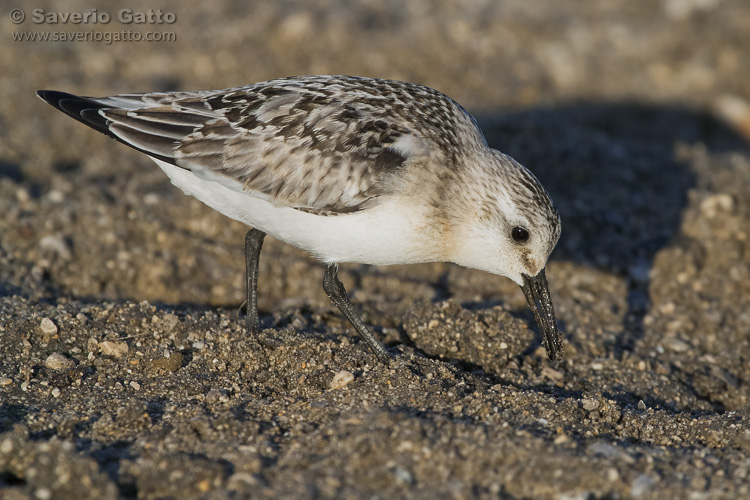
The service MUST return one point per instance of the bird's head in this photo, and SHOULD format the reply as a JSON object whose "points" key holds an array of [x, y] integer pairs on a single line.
{"points": [[509, 226]]}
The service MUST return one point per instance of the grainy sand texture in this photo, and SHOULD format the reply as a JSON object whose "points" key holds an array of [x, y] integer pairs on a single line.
{"points": [[125, 370]]}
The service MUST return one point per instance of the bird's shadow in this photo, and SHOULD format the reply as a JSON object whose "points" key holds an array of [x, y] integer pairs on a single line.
{"points": [[614, 174]]}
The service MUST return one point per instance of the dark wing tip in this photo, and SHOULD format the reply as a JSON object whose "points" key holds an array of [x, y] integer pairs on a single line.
{"points": [[83, 109], [86, 110], [51, 96], [54, 97]]}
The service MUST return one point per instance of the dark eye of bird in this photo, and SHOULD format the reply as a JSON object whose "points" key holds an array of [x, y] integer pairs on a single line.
{"points": [[519, 234]]}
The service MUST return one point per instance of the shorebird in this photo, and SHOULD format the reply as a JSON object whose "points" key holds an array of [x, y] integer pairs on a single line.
{"points": [[350, 169]]}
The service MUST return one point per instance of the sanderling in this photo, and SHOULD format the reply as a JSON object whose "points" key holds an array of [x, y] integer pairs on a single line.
{"points": [[350, 169]]}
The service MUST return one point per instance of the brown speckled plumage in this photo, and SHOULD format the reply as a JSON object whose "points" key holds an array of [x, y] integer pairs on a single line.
{"points": [[318, 143]]}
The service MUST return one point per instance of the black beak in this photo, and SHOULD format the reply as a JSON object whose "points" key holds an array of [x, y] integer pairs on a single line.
{"points": [[536, 291]]}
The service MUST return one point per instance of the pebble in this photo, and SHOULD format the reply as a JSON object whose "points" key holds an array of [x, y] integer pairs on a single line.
{"points": [[172, 363], [171, 321], [716, 204], [56, 392], [604, 449], [57, 361], [7, 446], [213, 396], [590, 404], [667, 308], [641, 485], [115, 349], [551, 373], [341, 379], [48, 327], [43, 494], [238, 479], [56, 245], [403, 475], [735, 110], [612, 475], [562, 438], [677, 345], [4, 381]]}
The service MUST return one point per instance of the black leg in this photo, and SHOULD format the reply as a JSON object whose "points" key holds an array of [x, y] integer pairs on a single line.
{"points": [[253, 244], [337, 293]]}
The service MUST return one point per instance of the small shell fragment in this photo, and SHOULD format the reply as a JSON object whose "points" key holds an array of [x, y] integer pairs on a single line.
{"points": [[341, 379]]}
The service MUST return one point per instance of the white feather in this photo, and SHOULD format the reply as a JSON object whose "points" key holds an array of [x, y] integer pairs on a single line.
{"points": [[382, 235]]}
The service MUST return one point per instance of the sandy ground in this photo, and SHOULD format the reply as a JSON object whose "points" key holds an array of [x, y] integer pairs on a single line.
{"points": [[636, 117]]}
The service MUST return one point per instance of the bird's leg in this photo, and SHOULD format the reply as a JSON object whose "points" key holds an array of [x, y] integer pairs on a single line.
{"points": [[337, 293], [253, 244]]}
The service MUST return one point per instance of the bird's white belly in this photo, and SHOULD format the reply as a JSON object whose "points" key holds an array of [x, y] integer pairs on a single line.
{"points": [[382, 235]]}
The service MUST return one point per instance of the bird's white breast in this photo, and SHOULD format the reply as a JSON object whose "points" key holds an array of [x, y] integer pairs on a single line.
{"points": [[381, 235]]}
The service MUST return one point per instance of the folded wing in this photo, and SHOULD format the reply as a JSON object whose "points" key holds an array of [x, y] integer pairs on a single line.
{"points": [[303, 143]]}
